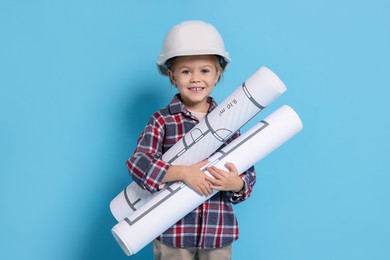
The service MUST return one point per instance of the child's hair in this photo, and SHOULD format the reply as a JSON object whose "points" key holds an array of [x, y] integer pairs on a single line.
{"points": [[218, 63]]}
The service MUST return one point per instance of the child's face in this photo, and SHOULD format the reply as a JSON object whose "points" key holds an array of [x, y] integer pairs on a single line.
{"points": [[195, 78]]}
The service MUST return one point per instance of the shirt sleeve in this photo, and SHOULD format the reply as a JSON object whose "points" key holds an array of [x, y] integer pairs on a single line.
{"points": [[248, 177], [146, 166]]}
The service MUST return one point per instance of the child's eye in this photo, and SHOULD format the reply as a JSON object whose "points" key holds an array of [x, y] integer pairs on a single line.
{"points": [[185, 72], [205, 70]]}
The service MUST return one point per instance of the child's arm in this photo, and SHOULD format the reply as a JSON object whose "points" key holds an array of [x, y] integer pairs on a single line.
{"points": [[192, 176], [237, 186], [145, 166], [225, 180], [148, 169]]}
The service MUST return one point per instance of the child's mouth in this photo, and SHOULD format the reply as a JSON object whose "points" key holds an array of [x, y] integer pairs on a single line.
{"points": [[195, 88]]}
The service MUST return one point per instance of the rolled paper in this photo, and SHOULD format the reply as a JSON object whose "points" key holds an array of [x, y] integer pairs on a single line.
{"points": [[176, 200], [256, 93]]}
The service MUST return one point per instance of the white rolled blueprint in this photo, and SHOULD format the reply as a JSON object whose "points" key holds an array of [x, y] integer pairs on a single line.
{"points": [[256, 93], [177, 200]]}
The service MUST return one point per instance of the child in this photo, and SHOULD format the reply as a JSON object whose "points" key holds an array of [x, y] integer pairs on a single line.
{"points": [[193, 56]]}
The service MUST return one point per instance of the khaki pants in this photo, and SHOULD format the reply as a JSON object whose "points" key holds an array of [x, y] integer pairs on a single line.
{"points": [[164, 252]]}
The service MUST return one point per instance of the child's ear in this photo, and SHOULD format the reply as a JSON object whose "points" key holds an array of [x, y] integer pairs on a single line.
{"points": [[171, 77], [219, 75]]}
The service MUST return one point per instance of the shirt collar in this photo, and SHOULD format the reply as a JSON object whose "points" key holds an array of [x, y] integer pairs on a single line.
{"points": [[176, 105]]}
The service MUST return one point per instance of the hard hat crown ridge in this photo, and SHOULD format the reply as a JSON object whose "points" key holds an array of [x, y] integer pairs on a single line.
{"points": [[192, 38]]}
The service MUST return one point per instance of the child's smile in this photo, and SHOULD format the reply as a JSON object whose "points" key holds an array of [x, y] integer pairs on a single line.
{"points": [[196, 89]]}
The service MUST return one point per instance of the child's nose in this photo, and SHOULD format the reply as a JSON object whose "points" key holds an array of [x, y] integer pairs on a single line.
{"points": [[195, 77]]}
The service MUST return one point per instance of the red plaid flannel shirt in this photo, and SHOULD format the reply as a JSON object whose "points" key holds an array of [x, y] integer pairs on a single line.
{"points": [[211, 225]]}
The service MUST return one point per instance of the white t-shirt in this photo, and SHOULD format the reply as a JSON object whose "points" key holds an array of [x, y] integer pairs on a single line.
{"points": [[198, 115]]}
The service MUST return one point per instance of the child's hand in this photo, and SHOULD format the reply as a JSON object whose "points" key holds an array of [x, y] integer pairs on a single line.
{"points": [[196, 179], [225, 180]]}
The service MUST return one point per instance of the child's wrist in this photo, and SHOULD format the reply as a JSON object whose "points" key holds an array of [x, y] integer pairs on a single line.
{"points": [[241, 189]]}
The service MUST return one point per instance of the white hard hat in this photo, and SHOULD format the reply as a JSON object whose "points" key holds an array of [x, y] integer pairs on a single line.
{"points": [[192, 38]]}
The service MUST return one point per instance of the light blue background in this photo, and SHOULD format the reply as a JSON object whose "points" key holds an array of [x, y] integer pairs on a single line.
{"points": [[78, 82]]}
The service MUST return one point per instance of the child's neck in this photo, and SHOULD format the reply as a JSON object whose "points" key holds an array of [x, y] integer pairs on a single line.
{"points": [[199, 108]]}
